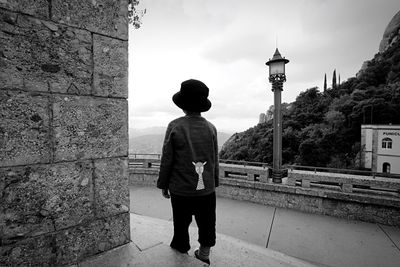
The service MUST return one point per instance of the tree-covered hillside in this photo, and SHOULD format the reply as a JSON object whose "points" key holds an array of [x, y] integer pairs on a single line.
{"points": [[324, 128]]}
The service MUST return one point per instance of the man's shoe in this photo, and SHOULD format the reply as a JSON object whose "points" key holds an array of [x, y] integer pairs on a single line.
{"points": [[196, 254]]}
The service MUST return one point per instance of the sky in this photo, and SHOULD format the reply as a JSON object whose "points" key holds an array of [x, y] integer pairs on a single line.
{"points": [[225, 44]]}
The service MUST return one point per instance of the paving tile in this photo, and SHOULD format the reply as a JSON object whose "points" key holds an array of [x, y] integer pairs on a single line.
{"points": [[146, 234], [148, 201], [393, 233], [163, 255], [130, 255], [331, 241], [125, 255], [244, 220], [228, 251], [249, 221], [234, 252], [324, 240]]}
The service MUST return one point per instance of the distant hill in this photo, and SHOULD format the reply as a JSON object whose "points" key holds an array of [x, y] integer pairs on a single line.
{"points": [[146, 144], [150, 140], [133, 132]]}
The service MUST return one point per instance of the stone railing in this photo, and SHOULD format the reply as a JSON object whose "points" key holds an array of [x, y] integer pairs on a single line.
{"points": [[344, 182], [243, 172], [341, 195], [144, 160]]}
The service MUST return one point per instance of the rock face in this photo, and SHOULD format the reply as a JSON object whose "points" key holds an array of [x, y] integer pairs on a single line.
{"points": [[391, 34]]}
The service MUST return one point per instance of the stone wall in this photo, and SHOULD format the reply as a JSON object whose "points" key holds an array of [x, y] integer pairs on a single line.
{"points": [[374, 209], [63, 130], [143, 176]]}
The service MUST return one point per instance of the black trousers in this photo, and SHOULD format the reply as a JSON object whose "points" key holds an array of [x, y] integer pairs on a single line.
{"points": [[203, 209]]}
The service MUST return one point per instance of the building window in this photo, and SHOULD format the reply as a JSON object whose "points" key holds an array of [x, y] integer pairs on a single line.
{"points": [[387, 143], [386, 167]]}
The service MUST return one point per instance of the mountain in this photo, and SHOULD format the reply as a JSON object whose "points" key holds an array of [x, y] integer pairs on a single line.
{"points": [[391, 34], [324, 128], [150, 140], [133, 132], [390, 37], [146, 144]]}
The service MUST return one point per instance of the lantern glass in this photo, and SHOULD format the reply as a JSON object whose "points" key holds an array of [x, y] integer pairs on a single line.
{"points": [[277, 67]]}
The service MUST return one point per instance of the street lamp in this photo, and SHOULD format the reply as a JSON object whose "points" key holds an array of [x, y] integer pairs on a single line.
{"points": [[277, 77]]}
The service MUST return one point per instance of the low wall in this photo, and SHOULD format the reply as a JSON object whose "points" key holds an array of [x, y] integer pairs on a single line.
{"points": [[331, 198], [143, 176]]}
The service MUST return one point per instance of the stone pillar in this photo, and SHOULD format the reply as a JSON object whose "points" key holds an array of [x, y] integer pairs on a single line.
{"points": [[63, 130]]}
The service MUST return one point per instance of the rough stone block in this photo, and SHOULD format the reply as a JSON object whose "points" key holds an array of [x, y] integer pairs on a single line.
{"points": [[38, 251], [305, 183], [111, 186], [118, 231], [41, 56], [89, 127], [40, 199], [77, 243], [36, 8], [263, 178], [347, 188], [110, 77], [143, 177], [71, 194], [24, 128], [107, 17]]}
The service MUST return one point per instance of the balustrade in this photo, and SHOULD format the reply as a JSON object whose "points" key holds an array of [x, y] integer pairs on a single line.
{"points": [[306, 177]]}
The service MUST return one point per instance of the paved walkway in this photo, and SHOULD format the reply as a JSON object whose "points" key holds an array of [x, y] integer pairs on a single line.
{"points": [[322, 240], [252, 235], [151, 237]]}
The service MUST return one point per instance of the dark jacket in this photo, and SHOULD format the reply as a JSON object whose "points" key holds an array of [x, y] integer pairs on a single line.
{"points": [[189, 140]]}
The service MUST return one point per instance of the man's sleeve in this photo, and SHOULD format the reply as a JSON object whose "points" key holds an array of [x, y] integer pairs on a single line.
{"points": [[166, 160], [216, 171]]}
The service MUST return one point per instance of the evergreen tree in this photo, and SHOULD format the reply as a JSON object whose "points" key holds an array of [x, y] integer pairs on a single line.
{"points": [[334, 80], [325, 86]]}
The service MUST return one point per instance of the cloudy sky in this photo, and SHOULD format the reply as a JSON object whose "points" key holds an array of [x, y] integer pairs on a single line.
{"points": [[225, 44]]}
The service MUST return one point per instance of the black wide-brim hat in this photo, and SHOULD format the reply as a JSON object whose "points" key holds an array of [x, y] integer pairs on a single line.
{"points": [[193, 96]]}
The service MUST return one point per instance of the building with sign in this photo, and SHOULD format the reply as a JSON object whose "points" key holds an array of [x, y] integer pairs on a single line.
{"points": [[381, 148]]}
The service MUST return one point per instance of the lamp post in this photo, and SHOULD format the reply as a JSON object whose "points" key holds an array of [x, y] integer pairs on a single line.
{"points": [[277, 77]]}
